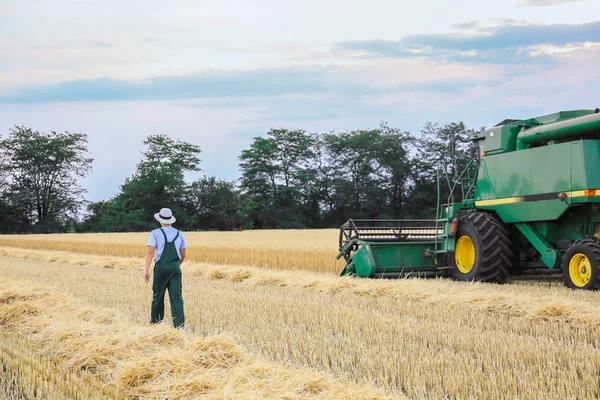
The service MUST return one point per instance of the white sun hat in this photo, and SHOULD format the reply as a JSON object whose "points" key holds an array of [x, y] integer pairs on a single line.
{"points": [[165, 216]]}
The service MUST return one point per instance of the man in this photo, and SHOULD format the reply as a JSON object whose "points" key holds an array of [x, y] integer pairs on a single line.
{"points": [[170, 247]]}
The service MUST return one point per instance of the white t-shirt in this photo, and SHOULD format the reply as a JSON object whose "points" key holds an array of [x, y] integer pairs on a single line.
{"points": [[157, 239]]}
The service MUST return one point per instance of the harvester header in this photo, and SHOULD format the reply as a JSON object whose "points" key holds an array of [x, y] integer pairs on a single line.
{"points": [[533, 203]]}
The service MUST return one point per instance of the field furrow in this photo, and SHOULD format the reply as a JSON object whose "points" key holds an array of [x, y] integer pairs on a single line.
{"points": [[419, 338]]}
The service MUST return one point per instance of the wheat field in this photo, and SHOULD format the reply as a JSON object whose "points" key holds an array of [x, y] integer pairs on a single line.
{"points": [[79, 325], [312, 250]]}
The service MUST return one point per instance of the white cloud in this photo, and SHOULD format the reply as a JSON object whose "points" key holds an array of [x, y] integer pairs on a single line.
{"points": [[52, 41], [546, 3], [550, 50]]}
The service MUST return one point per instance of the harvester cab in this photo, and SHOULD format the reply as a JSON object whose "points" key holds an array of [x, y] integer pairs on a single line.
{"points": [[528, 200]]}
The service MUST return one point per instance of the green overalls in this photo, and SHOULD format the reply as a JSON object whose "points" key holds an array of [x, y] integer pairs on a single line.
{"points": [[167, 275]]}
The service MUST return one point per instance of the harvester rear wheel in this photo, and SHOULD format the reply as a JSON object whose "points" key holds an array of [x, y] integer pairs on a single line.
{"points": [[581, 265], [483, 250]]}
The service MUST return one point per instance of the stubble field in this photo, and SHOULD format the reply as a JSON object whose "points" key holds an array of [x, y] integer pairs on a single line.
{"points": [[74, 312]]}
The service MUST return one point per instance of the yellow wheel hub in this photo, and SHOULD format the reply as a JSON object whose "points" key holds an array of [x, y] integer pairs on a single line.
{"points": [[580, 270], [464, 254]]}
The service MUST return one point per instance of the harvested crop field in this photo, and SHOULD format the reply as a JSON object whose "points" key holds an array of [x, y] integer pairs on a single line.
{"points": [[80, 324]]}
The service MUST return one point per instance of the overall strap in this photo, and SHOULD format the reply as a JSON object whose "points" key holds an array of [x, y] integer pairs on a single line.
{"points": [[164, 234]]}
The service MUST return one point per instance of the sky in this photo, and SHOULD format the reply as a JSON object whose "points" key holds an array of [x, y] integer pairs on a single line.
{"points": [[218, 73]]}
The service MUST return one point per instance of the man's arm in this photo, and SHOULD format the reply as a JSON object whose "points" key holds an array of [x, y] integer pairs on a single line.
{"points": [[149, 258], [182, 251], [182, 247]]}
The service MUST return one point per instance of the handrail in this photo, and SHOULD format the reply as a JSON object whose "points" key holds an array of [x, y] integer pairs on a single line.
{"points": [[473, 183], [465, 194]]}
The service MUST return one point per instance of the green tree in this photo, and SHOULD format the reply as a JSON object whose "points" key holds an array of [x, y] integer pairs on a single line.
{"points": [[260, 170], [275, 177], [364, 173], [45, 169], [293, 151], [392, 155], [445, 151], [158, 182], [214, 204], [356, 188]]}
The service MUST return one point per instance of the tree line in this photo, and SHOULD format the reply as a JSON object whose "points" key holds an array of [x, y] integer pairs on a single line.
{"points": [[289, 179]]}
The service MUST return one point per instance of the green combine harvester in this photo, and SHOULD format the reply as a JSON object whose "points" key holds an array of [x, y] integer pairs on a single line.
{"points": [[529, 200]]}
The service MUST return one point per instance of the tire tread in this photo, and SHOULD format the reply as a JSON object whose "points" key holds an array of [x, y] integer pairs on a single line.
{"points": [[496, 255]]}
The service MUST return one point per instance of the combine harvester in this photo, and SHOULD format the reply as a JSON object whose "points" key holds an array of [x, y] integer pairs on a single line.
{"points": [[530, 199]]}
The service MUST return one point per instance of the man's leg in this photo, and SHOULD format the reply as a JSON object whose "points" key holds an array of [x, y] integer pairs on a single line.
{"points": [[159, 285], [176, 300]]}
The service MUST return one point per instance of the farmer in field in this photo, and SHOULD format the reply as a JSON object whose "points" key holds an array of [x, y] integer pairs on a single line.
{"points": [[167, 247]]}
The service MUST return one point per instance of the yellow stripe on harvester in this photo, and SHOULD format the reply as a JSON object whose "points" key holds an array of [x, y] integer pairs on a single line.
{"points": [[495, 202], [520, 199], [583, 193]]}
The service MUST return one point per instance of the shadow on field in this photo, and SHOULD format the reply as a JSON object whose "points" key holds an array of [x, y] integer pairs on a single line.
{"points": [[541, 277]]}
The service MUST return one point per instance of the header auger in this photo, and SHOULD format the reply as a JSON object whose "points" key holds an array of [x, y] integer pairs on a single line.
{"points": [[530, 199]]}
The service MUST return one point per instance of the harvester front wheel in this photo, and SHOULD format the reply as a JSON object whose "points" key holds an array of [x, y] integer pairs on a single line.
{"points": [[581, 265], [483, 250]]}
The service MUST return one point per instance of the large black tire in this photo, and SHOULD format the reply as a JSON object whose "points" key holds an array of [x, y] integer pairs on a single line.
{"points": [[581, 265], [493, 254]]}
